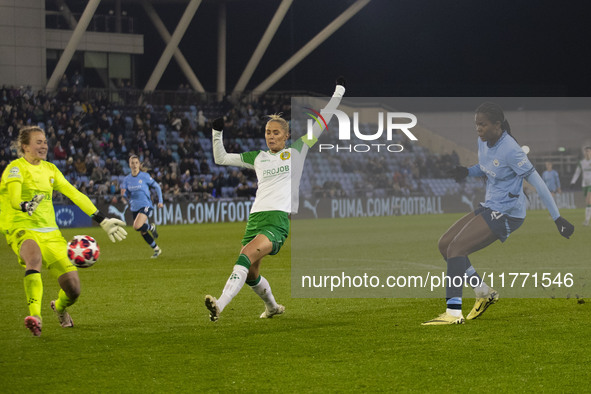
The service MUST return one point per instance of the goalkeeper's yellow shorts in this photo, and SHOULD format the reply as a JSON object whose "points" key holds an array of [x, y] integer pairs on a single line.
{"points": [[54, 249]]}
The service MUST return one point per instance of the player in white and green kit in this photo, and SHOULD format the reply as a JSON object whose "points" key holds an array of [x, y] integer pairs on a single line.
{"points": [[584, 167], [268, 224], [27, 219]]}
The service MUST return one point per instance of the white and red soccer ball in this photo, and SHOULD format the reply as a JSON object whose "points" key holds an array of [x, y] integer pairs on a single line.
{"points": [[83, 251]]}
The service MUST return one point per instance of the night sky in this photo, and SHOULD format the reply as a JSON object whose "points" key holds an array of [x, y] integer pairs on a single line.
{"points": [[395, 48]]}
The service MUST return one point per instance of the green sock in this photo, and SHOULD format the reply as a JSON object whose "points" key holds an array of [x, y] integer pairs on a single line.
{"points": [[63, 301], [244, 261], [34, 292]]}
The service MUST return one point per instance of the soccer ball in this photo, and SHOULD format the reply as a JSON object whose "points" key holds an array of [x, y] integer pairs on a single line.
{"points": [[83, 251]]}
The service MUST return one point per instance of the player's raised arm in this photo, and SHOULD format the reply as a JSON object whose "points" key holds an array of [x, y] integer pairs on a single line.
{"points": [[220, 156], [326, 112]]}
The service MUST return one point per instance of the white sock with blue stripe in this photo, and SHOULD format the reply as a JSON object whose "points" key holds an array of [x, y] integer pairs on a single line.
{"points": [[454, 306]]}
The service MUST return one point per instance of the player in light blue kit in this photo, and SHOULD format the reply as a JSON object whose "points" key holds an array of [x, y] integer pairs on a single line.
{"points": [[136, 188], [504, 164], [551, 178]]}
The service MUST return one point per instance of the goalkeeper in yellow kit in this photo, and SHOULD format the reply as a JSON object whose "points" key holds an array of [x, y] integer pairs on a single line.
{"points": [[27, 219]]}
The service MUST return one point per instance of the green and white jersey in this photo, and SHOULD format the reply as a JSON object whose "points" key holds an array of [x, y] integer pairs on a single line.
{"points": [[275, 172], [585, 168], [278, 174]]}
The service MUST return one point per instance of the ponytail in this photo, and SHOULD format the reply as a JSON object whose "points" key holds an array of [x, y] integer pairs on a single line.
{"points": [[505, 126]]}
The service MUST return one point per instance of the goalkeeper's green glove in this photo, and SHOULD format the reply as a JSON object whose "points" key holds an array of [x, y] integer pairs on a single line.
{"points": [[30, 206]]}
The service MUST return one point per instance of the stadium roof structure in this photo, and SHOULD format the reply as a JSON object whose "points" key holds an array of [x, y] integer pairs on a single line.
{"points": [[172, 40]]}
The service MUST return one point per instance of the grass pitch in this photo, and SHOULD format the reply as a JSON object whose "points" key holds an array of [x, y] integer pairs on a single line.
{"points": [[140, 324]]}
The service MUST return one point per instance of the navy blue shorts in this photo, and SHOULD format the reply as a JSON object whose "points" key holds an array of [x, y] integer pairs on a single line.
{"points": [[500, 224], [145, 210]]}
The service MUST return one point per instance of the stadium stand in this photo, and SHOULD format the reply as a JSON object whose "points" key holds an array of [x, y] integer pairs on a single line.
{"points": [[91, 138]]}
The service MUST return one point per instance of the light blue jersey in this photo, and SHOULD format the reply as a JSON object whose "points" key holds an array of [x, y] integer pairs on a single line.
{"points": [[505, 166], [552, 180], [137, 190]]}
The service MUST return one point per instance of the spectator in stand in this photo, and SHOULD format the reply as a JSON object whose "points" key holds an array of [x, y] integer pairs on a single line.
{"points": [[201, 119], [186, 176], [80, 166], [138, 123], [59, 153], [110, 152], [176, 192], [103, 121], [63, 83], [99, 175], [204, 167], [122, 149], [71, 149], [77, 81]]}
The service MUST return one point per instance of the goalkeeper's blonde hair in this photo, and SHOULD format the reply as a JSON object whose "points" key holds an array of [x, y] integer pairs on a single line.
{"points": [[278, 118], [24, 138]]}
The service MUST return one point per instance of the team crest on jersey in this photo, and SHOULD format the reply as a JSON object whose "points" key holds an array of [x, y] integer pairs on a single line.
{"points": [[14, 172], [51, 180], [495, 163], [140, 181], [285, 155]]}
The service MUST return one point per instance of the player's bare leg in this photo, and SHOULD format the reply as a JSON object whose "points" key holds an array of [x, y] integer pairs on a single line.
{"points": [[473, 236], [485, 296], [67, 296], [259, 283]]}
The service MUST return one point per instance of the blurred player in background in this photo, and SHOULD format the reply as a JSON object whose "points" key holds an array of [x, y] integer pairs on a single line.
{"points": [[268, 223], [27, 219], [136, 188], [584, 167], [505, 165], [551, 179]]}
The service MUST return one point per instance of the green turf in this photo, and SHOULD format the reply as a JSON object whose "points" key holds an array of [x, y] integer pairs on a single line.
{"points": [[141, 324]]}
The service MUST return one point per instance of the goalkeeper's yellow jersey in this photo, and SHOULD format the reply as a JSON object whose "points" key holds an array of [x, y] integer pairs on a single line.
{"points": [[43, 178]]}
